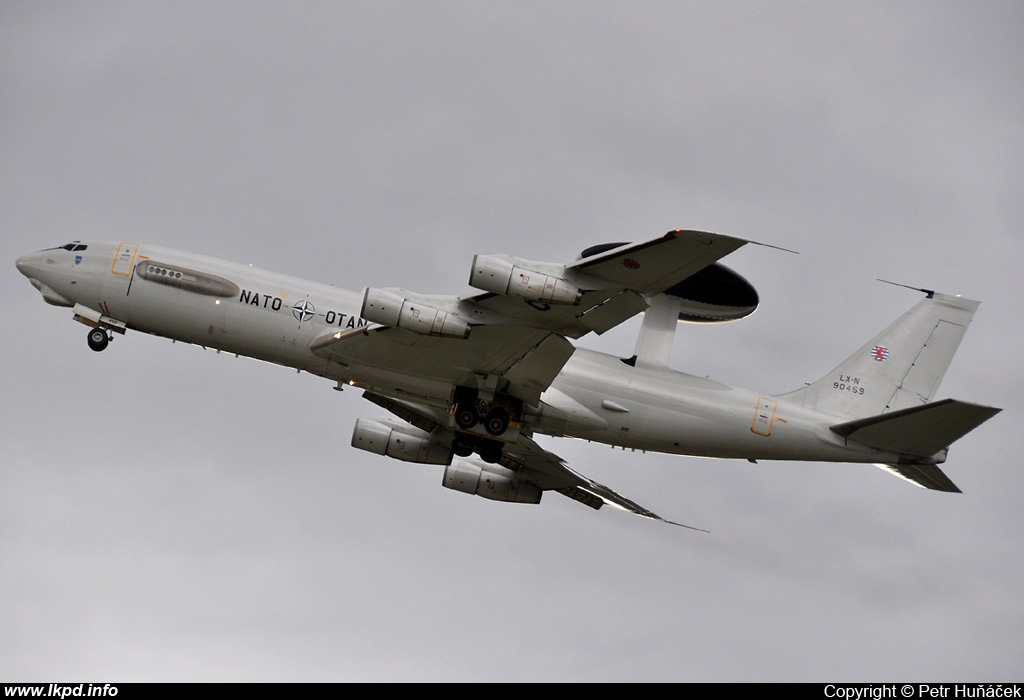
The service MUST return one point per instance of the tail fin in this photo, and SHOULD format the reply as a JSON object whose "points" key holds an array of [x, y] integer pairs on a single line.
{"points": [[899, 368]]}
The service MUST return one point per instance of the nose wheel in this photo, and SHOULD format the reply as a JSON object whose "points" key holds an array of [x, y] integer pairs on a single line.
{"points": [[98, 339]]}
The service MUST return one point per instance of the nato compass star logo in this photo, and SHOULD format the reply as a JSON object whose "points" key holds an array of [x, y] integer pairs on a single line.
{"points": [[303, 311]]}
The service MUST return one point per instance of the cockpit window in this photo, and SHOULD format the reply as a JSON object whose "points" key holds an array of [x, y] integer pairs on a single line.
{"points": [[74, 246]]}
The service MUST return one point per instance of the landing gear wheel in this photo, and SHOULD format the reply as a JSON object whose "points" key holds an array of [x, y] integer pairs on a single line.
{"points": [[462, 448], [98, 339], [496, 421], [490, 451], [466, 417]]}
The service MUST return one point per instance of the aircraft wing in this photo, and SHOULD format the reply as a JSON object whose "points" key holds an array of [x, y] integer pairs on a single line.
{"points": [[614, 283], [548, 471], [397, 362], [653, 266], [510, 341], [518, 343], [530, 463]]}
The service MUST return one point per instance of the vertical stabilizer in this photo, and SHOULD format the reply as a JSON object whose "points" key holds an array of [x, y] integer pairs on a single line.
{"points": [[899, 368]]}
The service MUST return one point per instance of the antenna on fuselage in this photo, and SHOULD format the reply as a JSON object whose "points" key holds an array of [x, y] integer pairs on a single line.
{"points": [[657, 333]]}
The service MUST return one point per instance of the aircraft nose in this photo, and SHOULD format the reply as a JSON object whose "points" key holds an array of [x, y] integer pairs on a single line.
{"points": [[25, 265], [33, 265]]}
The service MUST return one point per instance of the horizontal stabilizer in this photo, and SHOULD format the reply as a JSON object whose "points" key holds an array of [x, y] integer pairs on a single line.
{"points": [[921, 431], [924, 475]]}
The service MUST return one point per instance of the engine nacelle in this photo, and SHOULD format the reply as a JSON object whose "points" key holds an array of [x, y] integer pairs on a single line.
{"points": [[490, 481], [502, 275], [399, 440], [390, 308]]}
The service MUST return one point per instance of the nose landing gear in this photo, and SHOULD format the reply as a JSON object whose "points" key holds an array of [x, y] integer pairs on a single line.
{"points": [[98, 339], [101, 326]]}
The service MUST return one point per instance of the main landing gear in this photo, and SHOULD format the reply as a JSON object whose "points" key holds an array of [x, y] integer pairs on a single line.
{"points": [[495, 416], [495, 421], [98, 339], [466, 445], [484, 426]]}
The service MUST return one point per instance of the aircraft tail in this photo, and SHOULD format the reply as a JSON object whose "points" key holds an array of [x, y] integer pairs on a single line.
{"points": [[885, 391], [922, 431], [926, 476], [899, 368], [921, 434]]}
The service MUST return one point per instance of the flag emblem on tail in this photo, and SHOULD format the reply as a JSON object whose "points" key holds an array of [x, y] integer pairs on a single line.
{"points": [[879, 353]]}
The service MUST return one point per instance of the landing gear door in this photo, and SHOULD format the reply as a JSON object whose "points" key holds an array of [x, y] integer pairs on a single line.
{"points": [[124, 259]]}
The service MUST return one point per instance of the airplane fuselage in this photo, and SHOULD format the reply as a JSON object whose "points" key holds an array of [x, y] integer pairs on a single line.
{"points": [[255, 313]]}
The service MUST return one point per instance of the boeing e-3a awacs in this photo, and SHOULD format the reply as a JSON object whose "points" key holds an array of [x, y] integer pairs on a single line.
{"points": [[469, 381]]}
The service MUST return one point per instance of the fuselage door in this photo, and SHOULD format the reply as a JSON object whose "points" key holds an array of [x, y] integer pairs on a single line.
{"points": [[124, 259], [764, 417]]}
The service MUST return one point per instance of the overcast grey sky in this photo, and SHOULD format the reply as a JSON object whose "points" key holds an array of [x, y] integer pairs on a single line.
{"points": [[170, 514]]}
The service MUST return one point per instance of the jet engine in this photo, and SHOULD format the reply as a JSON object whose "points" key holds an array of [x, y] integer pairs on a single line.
{"points": [[503, 275], [490, 481], [393, 438], [390, 308]]}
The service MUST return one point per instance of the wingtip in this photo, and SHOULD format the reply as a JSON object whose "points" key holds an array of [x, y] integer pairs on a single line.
{"points": [[930, 293], [688, 527]]}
